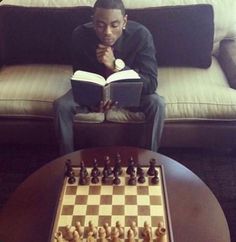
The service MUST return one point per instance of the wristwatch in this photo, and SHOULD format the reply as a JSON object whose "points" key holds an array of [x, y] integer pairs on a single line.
{"points": [[119, 65]]}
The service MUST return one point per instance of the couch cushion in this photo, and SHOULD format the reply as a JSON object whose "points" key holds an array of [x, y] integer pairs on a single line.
{"points": [[29, 91], [192, 93]]}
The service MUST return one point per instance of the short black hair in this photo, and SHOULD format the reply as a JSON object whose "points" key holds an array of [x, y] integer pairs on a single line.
{"points": [[110, 4]]}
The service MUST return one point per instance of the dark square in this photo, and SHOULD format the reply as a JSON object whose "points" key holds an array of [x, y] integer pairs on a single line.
{"points": [[94, 190], [67, 210], [129, 220], [104, 219], [78, 218], [81, 199], [130, 199], [106, 199], [155, 200], [143, 210], [118, 190], [155, 220], [92, 209], [71, 190], [142, 190], [118, 210]]}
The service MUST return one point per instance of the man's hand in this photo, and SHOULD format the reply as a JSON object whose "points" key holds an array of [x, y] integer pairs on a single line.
{"points": [[104, 106], [105, 56]]}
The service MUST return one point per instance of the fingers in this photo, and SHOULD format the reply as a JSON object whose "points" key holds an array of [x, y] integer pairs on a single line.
{"points": [[105, 55]]}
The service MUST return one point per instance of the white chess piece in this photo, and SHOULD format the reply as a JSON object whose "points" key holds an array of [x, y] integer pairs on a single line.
{"points": [[58, 237], [120, 229]]}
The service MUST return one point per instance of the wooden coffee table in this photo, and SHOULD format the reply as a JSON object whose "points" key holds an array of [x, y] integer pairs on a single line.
{"points": [[196, 215]]}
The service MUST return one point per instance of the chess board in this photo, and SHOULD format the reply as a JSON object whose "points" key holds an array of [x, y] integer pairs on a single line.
{"points": [[108, 203]]}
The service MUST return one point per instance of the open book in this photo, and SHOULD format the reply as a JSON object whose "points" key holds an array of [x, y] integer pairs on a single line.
{"points": [[90, 88]]}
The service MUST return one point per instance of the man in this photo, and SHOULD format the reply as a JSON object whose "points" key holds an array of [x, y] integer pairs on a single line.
{"points": [[108, 44]]}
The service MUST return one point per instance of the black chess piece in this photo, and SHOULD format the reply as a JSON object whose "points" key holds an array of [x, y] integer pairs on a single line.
{"points": [[155, 179], [68, 167], [95, 169], [83, 171], [130, 169], [82, 180], [107, 166], [139, 170], [141, 178], [95, 178], [117, 166], [132, 180], [105, 177], [71, 179], [151, 169], [116, 179]]}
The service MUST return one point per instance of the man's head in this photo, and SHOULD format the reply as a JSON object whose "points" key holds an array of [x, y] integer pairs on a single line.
{"points": [[109, 20]]}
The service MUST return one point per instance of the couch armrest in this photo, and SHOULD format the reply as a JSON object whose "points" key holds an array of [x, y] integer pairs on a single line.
{"points": [[227, 59]]}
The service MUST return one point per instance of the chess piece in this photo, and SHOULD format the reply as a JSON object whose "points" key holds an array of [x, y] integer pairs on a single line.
{"points": [[83, 171], [68, 167], [76, 237], [115, 235], [58, 236], [102, 235], [120, 229], [117, 166], [132, 180], [105, 177], [139, 170], [155, 179], [151, 169], [160, 232], [147, 232], [69, 232], [130, 235], [95, 178], [107, 165], [107, 230], [141, 178], [95, 169], [71, 175], [92, 229], [116, 180], [79, 229], [90, 237], [134, 228], [130, 169]]}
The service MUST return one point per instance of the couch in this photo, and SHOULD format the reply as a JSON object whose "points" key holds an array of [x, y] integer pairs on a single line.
{"points": [[196, 53]]}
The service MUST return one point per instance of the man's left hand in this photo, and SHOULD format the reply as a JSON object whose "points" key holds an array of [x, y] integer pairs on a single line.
{"points": [[105, 56]]}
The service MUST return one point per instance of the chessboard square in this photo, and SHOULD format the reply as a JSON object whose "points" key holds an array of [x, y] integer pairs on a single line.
{"points": [[92, 210], [118, 210], [154, 190], [144, 219], [105, 209], [69, 199], [106, 190], [122, 181], [71, 190], [82, 190], [118, 190], [93, 199], [143, 210], [65, 220], [130, 190], [78, 218], [131, 210], [67, 210], [117, 200], [155, 220], [81, 199], [94, 190], [104, 219], [130, 199], [143, 200], [106, 199], [155, 200], [130, 219], [156, 209], [80, 209], [89, 218], [116, 218], [142, 190]]}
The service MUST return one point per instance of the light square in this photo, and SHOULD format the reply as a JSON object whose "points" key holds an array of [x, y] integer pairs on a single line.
{"points": [[154, 190], [130, 190], [88, 218], [105, 210], [65, 220], [143, 219], [131, 210], [118, 200], [116, 218], [106, 190], [156, 210], [93, 199], [80, 209], [143, 200], [83, 190], [68, 200]]}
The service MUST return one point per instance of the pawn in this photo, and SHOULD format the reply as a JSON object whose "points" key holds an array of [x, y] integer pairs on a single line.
{"points": [[160, 232], [132, 180], [147, 232], [133, 226], [141, 178], [79, 229], [130, 235], [58, 236], [76, 237], [95, 169], [102, 235], [130, 169], [95, 178], [69, 232], [92, 229], [105, 177], [90, 237], [155, 179], [120, 229], [116, 179], [82, 180], [68, 167], [151, 169], [139, 170], [107, 230], [115, 235], [71, 179]]}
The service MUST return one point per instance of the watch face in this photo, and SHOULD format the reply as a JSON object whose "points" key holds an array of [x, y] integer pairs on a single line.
{"points": [[119, 64]]}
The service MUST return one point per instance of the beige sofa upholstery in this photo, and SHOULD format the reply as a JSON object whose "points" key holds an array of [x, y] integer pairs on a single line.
{"points": [[200, 102]]}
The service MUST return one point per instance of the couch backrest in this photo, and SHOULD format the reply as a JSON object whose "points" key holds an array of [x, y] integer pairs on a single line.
{"points": [[183, 35]]}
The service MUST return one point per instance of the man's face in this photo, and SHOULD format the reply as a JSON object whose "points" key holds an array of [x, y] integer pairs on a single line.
{"points": [[109, 24]]}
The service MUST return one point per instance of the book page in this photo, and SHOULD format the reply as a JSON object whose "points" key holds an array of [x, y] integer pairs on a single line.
{"points": [[123, 75], [89, 77]]}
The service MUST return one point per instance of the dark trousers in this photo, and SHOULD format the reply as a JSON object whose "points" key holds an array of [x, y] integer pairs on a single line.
{"points": [[65, 108]]}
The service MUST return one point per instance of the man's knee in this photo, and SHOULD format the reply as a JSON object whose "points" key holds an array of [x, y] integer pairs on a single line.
{"points": [[153, 103]]}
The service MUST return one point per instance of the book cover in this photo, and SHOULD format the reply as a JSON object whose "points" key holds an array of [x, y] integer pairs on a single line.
{"points": [[124, 87]]}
